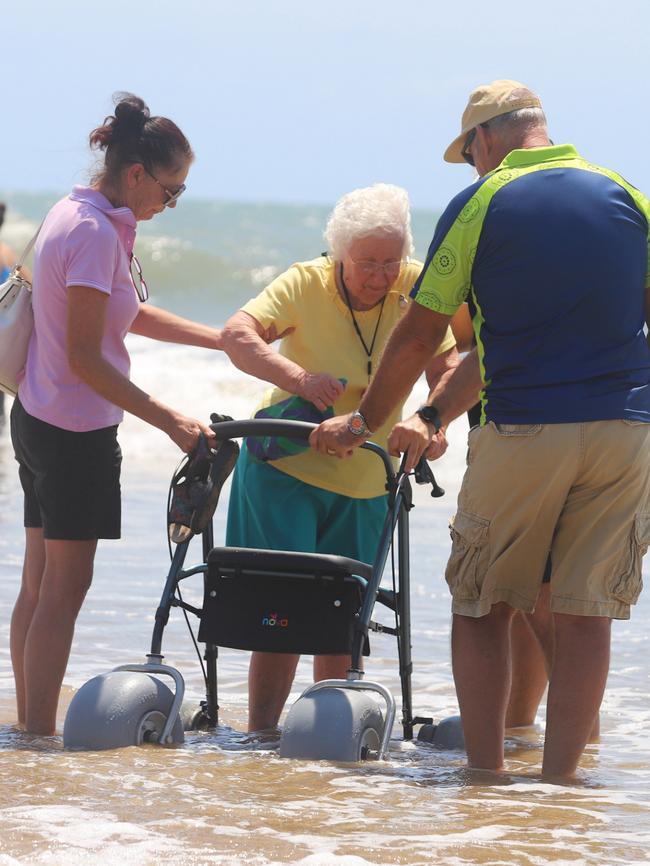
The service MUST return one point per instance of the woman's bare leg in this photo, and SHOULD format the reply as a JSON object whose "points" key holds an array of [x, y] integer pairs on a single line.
{"points": [[24, 608], [270, 677], [331, 667], [532, 648], [66, 578]]}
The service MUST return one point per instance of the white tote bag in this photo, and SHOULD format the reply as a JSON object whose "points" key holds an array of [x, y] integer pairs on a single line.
{"points": [[16, 323]]}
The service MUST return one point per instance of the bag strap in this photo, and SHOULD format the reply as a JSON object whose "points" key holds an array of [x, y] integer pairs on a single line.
{"points": [[28, 248]]}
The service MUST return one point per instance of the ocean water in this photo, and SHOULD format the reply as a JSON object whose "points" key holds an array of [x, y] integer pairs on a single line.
{"points": [[207, 257], [211, 801]]}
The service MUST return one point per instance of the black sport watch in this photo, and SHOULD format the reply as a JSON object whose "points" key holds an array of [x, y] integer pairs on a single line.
{"points": [[430, 415]]}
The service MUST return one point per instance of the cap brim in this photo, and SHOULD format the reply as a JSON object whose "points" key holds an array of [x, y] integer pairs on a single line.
{"points": [[482, 114], [454, 152]]}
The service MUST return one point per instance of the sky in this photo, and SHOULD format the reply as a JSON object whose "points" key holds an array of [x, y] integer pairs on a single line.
{"points": [[302, 100]]}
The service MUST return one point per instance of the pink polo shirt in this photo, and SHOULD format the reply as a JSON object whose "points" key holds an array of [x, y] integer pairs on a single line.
{"points": [[84, 241]]}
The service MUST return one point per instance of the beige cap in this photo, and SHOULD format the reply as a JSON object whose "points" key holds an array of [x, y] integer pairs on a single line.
{"points": [[486, 102]]}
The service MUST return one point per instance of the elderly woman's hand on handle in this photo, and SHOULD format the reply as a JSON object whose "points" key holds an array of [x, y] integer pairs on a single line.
{"points": [[321, 389]]}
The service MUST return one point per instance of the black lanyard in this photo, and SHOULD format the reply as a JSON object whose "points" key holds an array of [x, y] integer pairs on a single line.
{"points": [[367, 350]]}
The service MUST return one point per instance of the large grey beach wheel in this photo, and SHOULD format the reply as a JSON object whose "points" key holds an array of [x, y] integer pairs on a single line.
{"points": [[194, 717], [447, 734], [333, 724], [120, 708]]}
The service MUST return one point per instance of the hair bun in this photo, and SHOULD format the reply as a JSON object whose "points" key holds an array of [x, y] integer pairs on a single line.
{"points": [[131, 113], [131, 135]]}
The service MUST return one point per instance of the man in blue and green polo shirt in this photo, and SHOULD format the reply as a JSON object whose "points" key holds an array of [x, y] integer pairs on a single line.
{"points": [[551, 253]]}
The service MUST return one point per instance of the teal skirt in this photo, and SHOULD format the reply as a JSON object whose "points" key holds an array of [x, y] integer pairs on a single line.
{"points": [[271, 510]]}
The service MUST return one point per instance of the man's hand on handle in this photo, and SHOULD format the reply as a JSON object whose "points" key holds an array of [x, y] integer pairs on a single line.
{"points": [[415, 436]]}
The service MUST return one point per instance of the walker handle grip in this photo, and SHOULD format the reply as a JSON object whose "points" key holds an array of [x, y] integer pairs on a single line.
{"points": [[260, 427]]}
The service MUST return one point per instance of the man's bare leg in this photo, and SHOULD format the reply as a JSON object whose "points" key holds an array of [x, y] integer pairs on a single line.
{"points": [[576, 689], [532, 641], [480, 650]]}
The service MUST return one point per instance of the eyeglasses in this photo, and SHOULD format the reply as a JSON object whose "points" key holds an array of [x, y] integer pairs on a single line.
{"points": [[171, 197], [391, 269], [140, 287]]}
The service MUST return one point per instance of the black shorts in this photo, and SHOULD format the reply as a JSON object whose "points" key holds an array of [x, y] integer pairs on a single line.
{"points": [[71, 480]]}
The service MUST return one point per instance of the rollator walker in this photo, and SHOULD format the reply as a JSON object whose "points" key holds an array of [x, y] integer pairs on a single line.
{"points": [[270, 601]]}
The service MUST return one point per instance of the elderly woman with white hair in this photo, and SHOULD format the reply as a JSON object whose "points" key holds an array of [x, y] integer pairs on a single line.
{"points": [[333, 315]]}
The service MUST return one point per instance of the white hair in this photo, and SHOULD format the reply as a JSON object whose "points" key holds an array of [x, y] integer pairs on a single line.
{"points": [[520, 121], [381, 208]]}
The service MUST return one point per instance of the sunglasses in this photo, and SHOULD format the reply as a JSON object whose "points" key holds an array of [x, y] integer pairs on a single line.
{"points": [[140, 287], [471, 135], [170, 197], [467, 156]]}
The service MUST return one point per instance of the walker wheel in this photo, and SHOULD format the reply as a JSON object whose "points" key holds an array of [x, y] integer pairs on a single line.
{"points": [[120, 708], [195, 718], [333, 724], [447, 734]]}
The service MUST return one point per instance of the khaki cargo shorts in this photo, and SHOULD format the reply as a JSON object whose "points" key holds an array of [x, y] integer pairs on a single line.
{"points": [[580, 491]]}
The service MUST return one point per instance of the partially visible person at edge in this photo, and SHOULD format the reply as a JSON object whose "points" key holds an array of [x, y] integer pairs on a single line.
{"points": [[8, 259], [551, 252], [76, 386], [334, 315]]}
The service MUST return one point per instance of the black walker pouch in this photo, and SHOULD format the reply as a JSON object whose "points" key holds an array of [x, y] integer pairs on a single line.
{"points": [[285, 602]]}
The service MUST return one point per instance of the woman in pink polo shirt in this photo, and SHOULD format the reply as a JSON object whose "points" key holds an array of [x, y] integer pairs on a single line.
{"points": [[76, 386]]}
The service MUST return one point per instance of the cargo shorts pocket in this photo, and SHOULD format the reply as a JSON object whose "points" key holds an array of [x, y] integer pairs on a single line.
{"points": [[469, 555], [628, 583]]}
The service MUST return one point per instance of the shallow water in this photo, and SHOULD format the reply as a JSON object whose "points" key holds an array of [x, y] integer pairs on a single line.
{"points": [[214, 801]]}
